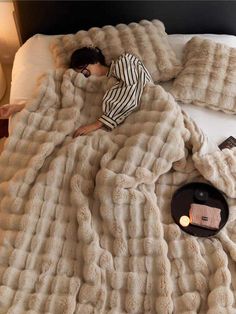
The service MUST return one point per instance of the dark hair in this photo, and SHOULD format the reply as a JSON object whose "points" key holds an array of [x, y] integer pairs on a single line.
{"points": [[86, 55]]}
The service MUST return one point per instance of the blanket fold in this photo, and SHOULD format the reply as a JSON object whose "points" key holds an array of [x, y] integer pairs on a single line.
{"points": [[85, 223]]}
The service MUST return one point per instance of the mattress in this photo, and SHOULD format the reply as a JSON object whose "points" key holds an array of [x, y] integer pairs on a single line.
{"points": [[34, 58]]}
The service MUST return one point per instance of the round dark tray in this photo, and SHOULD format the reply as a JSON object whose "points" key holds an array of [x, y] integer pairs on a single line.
{"points": [[198, 193]]}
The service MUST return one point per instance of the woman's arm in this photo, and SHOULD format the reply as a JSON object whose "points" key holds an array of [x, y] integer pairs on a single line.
{"points": [[85, 129], [124, 97]]}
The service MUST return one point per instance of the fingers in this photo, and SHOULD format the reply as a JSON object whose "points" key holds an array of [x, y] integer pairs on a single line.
{"points": [[7, 110], [83, 130], [80, 131], [4, 112], [16, 108], [77, 133]]}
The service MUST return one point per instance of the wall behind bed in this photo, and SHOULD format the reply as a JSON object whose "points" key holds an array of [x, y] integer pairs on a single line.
{"points": [[61, 17]]}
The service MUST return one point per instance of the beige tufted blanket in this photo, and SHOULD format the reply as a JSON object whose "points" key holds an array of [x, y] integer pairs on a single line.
{"points": [[86, 224]]}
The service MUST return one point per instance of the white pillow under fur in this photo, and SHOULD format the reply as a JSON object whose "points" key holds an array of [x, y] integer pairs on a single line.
{"points": [[208, 77], [146, 39]]}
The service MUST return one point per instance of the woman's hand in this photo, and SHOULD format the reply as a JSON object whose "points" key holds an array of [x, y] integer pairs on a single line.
{"points": [[7, 110], [85, 129]]}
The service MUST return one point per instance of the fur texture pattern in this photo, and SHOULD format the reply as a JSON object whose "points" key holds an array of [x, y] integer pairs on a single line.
{"points": [[85, 223], [208, 77], [146, 39]]}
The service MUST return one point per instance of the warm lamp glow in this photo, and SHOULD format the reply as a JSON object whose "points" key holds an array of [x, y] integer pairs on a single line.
{"points": [[184, 221], [9, 42]]}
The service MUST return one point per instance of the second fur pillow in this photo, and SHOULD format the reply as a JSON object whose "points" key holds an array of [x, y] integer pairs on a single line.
{"points": [[208, 77]]}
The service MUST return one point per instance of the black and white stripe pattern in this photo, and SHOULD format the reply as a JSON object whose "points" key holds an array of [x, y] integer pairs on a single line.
{"points": [[124, 96]]}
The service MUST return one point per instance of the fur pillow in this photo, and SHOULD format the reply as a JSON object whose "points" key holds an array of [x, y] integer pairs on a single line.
{"points": [[208, 77], [146, 39]]}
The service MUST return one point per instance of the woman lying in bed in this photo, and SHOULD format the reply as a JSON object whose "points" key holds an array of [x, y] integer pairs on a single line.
{"points": [[120, 100]]}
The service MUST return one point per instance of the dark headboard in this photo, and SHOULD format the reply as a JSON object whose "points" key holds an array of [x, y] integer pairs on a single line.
{"points": [[62, 17]]}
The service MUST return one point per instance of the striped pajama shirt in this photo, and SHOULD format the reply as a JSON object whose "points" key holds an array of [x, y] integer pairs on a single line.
{"points": [[120, 100]]}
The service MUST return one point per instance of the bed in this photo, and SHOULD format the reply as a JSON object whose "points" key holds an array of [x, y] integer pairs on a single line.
{"points": [[85, 223]]}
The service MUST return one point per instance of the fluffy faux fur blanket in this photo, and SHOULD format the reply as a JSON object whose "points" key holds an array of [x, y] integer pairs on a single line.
{"points": [[86, 224]]}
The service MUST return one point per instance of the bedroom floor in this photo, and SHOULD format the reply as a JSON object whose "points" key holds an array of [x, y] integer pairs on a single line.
{"points": [[7, 68]]}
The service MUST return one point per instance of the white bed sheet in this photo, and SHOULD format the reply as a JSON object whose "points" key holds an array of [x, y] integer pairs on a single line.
{"points": [[34, 58]]}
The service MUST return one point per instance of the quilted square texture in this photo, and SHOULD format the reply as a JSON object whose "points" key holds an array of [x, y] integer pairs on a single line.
{"points": [[145, 39], [208, 77]]}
